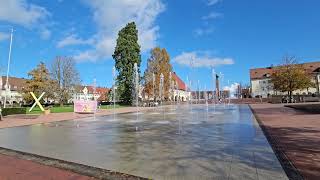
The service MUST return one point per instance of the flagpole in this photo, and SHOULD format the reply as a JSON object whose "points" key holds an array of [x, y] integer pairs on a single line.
{"points": [[7, 80]]}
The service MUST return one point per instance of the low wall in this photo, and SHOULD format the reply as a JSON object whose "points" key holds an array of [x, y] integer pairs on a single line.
{"points": [[308, 108], [298, 99]]}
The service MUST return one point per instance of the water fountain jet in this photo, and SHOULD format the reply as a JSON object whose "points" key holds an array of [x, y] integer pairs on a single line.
{"points": [[206, 97], [161, 92], [136, 92], [153, 88], [114, 91]]}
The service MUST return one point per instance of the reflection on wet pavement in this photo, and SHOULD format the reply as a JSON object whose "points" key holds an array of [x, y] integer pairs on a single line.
{"points": [[223, 142]]}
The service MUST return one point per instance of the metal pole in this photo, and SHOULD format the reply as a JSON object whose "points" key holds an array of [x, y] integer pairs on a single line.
{"points": [[9, 59]]}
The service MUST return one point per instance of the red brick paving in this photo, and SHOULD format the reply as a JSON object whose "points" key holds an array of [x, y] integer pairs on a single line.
{"points": [[297, 133], [12, 168]]}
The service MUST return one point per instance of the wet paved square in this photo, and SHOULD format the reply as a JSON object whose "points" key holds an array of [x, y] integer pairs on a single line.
{"points": [[186, 142]]}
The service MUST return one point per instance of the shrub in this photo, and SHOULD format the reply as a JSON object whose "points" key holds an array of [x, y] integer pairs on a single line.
{"points": [[10, 111]]}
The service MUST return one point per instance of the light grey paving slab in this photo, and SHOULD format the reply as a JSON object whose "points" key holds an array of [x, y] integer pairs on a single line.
{"points": [[242, 171], [271, 174]]}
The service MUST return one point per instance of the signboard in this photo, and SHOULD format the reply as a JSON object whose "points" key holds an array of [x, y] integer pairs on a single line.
{"points": [[85, 106]]}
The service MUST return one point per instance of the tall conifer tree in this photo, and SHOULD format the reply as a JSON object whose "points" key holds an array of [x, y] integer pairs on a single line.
{"points": [[127, 52]]}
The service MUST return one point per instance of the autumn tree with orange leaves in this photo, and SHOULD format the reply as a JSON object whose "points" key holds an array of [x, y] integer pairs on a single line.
{"points": [[159, 62]]}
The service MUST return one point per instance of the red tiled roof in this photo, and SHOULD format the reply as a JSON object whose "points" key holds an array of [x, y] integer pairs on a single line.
{"points": [[261, 73], [181, 84], [16, 84], [102, 91]]}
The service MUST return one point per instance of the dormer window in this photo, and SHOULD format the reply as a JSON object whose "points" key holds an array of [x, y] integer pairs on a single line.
{"points": [[266, 75]]}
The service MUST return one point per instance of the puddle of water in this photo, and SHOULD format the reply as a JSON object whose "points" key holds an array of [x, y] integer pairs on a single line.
{"points": [[150, 146]]}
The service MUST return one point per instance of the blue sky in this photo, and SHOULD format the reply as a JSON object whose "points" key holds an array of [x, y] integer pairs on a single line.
{"points": [[230, 36]]}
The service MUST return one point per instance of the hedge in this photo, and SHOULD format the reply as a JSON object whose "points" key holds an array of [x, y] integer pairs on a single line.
{"points": [[10, 111]]}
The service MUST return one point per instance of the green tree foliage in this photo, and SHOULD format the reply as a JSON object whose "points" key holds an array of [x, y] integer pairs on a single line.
{"points": [[159, 62], [290, 76], [127, 52], [38, 83]]}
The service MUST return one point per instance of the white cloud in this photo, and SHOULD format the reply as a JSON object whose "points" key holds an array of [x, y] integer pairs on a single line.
{"points": [[28, 15], [212, 15], [112, 15], [86, 56], [198, 60], [4, 36], [233, 88], [45, 33], [203, 31], [22, 13], [103, 48], [72, 40], [212, 2]]}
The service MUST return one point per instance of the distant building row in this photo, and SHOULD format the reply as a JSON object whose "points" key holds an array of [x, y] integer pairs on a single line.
{"points": [[261, 85], [16, 86]]}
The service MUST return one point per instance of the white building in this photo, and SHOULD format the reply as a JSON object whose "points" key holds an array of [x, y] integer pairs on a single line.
{"points": [[180, 92], [13, 93], [261, 85], [98, 93], [16, 86]]}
